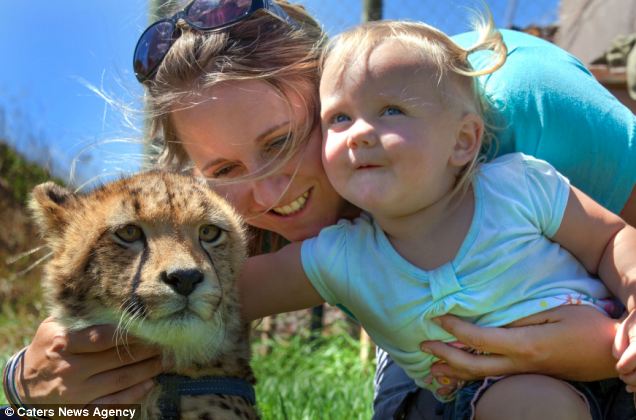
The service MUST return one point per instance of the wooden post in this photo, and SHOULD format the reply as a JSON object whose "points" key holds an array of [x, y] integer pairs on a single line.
{"points": [[316, 322], [371, 10], [265, 326], [366, 347]]}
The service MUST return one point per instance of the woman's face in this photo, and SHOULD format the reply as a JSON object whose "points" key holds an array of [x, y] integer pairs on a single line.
{"points": [[236, 130]]}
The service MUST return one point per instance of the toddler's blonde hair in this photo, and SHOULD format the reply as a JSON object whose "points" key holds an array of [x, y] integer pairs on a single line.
{"points": [[456, 78]]}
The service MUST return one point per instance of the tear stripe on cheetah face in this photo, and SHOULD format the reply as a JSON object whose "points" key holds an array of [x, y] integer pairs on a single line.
{"points": [[95, 277]]}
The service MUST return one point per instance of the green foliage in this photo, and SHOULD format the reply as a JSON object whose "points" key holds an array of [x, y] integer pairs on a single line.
{"points": [[3, 361], [21, 308], [20, 173], [20, 293], [324, 379]]}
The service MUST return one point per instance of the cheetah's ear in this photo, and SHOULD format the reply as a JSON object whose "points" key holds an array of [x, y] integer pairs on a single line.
{"points": [[50, 204]]}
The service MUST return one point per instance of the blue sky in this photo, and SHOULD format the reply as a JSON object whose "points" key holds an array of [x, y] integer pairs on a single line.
{"points": [[52, 51]]}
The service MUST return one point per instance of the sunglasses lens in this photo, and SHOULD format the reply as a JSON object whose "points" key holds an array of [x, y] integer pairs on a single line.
{"points": [[207, 14], [152, 47]]}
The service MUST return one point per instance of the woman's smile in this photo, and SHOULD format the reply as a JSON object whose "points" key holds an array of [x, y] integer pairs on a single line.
{"points": [[294, 207]]}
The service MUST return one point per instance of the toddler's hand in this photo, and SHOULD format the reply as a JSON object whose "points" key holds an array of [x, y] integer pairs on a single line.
{"points": [[448, 384], [625, 351]]}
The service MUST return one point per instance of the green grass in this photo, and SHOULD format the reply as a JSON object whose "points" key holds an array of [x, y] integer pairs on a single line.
{"points": [[21, 307], [324, 380], [3, 361], [298, 380], [21, 310]]}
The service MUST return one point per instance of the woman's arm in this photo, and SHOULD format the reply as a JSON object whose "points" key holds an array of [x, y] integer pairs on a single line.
{"points": [[84, 367]]}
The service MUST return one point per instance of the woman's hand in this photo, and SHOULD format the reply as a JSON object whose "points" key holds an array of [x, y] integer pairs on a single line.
{"points": [[85, 366], [569, 342], [625, 351]]}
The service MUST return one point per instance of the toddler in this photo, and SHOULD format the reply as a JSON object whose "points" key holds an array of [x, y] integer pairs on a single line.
{"points": [[402, 120]]}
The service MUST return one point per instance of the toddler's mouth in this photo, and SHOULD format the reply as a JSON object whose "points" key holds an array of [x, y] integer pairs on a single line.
{"points": [[367, 166]]}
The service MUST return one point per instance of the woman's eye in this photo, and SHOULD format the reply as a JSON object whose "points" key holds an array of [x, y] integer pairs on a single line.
{"points": [[129, 233], [392, 110], [210, 233], [277, 144], [223, 171]]}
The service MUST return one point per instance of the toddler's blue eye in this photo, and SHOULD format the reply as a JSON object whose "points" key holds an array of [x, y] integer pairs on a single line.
{"points": [[340, 118], [392, 110]]}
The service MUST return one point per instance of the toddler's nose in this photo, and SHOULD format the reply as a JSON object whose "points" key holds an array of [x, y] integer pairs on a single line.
{"points": [[362, 134]]}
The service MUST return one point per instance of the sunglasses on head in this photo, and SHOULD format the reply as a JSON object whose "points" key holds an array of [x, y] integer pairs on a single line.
{"points": [[202, 15]]}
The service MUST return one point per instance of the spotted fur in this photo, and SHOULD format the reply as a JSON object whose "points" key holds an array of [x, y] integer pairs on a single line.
{"points": [[173, 285]]}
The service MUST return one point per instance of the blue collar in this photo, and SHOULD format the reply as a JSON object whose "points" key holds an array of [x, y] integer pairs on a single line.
{"points": [[174, 386]]}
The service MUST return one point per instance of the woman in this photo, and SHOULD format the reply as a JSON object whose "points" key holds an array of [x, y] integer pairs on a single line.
{"points": [[240, 104]]}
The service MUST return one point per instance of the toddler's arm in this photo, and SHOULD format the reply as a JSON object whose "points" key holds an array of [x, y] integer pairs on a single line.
{"points": [[602, 242], [275, 283], [606, 245]]}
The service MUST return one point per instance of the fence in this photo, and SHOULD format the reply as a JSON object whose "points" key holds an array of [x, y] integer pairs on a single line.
{"points": [[451, 16]]}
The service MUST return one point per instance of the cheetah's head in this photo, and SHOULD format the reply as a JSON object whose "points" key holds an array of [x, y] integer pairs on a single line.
{"points": [[157, 254]]}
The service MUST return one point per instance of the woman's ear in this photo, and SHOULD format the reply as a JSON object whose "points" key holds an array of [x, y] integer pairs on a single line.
{"points": [[468, 140]]}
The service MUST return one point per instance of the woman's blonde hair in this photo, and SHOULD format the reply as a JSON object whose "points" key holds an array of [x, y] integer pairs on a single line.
{"points": [[263, 48], [456, 78]]}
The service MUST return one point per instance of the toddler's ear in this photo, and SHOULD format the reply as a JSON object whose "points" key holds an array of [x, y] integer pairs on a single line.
{"points": [[468, 140]]}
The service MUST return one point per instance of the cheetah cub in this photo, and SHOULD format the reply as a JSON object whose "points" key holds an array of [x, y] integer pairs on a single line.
{"points": [[156, 254]]}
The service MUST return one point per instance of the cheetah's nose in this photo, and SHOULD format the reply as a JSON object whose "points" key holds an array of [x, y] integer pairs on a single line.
{"points": [[183, 281]]}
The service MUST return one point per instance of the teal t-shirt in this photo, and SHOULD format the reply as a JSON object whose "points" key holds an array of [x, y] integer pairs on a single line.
{"points": [[548, 105]]}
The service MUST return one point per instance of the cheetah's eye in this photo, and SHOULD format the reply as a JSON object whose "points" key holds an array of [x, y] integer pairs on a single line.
{"points": [[210, 233], [129, 233]]}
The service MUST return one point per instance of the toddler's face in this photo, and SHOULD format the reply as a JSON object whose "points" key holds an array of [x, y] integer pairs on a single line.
{"points": [[387, 135]]}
